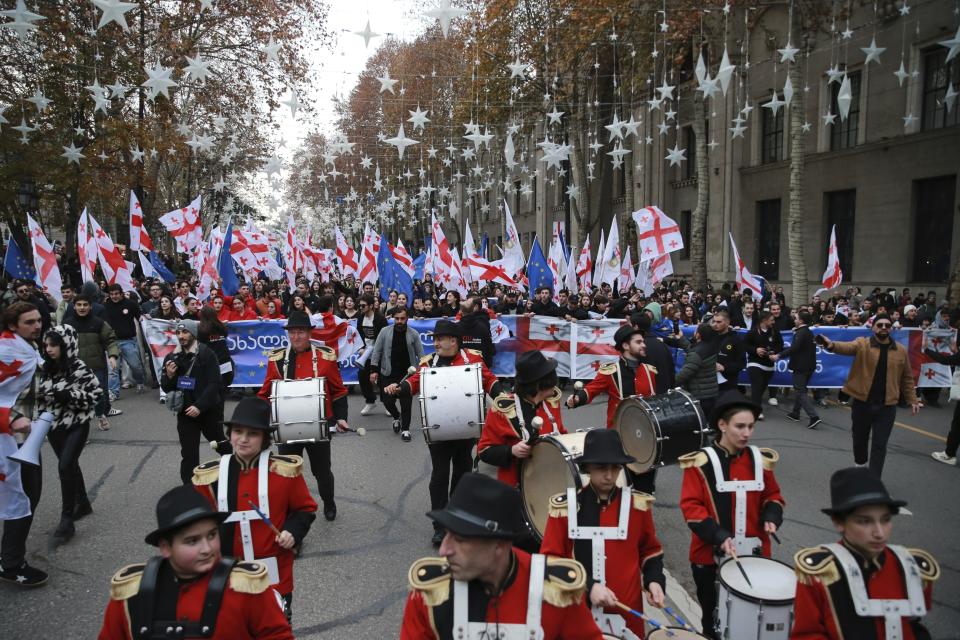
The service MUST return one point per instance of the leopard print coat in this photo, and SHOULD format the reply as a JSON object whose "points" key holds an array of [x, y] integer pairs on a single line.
{"points": [[75, 407]]}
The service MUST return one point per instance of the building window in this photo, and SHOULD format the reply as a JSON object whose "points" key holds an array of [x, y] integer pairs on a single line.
{"points": [[686, 224], [768, 238], [937, 76], [690, 168], [843, 135], [933, 228], [841, 208], [771, 135]]}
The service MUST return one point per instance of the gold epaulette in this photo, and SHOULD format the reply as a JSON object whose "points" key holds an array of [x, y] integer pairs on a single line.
{"points": [[608, 369], [475, 352], [652, 369], [555, 397], [206, 473], [430, 577], [770, 458], [286, 466], [504, 403], [642, 501], [277, 354], [425, 360], [249, 577], [816, 562], [693, 459], [327, 353], [564, 582], [126, 583], [558, 506], [929, 568]]}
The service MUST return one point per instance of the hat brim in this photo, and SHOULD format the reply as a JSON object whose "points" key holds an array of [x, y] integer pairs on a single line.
{"points": [[240, 423], [297, 325], [548, 367], [719, 410], [863, 501], [195, 515], [624, 459], [461, 527]]}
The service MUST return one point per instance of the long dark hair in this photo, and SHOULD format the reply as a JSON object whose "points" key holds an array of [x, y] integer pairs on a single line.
{"points": [[532, 388], [210, 324], [54, 367]]}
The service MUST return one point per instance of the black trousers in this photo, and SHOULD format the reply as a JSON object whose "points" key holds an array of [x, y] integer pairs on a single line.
{"points": [[451, 459], [319, 454], [366, 387], [405, 412], [208, 423], [874, 420], [953, 438], [759, 381], [68, 445], [705, 577], [13, 546]]}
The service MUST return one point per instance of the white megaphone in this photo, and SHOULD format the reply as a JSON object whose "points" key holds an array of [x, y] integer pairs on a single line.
{"points": [[29, 452]]}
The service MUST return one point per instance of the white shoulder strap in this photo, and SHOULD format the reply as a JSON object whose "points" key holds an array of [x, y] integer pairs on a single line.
{"points": [[538, 565]]}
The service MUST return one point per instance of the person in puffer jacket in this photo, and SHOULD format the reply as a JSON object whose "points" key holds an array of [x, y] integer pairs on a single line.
{"points": [[70, 391]]}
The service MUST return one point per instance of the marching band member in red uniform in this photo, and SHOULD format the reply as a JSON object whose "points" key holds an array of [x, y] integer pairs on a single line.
{"points": [[634, 558], [709, 505], [274, 483], [448, 453], [299, 361], [189, 591], [862, 587], [482, 587], [508, 430]]}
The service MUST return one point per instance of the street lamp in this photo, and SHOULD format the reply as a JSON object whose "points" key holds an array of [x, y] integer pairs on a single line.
{"points": [[27, 195]]}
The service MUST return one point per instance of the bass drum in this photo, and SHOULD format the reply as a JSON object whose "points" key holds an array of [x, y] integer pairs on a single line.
{"points": [[298, 410], [656, 430], [452, 404], [551, 469]]}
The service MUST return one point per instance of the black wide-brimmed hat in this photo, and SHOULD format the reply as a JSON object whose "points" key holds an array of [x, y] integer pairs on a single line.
{"points": [[603, 446], [858, 487], [180, 507], [446, 328], [298, 320], [533, 365], [729, 400], [251, 412], [482, 507], [624, 334]]}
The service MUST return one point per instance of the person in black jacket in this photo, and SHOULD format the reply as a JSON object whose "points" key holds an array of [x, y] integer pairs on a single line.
{"points": [[192, 368], [658, 354], [369, 323], [762, 341], [213, 333], [732, 356], [510, 305], [803, 363], [475, 328], [121, 314], [544, 304]]}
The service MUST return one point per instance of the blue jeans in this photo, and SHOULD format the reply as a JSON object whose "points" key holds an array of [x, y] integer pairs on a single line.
{"points": [[130, 355]]}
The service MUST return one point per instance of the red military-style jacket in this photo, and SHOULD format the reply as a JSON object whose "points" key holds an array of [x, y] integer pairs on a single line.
{"points": [[411, 386], [710, 513], [630, 563], [321, 364], [824, 608], [250, 609], [292, 508], [428, 614], [612, 379], [501, 430]]}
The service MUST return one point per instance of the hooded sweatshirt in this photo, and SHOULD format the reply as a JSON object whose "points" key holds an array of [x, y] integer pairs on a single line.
{"points": [[67, 388]]}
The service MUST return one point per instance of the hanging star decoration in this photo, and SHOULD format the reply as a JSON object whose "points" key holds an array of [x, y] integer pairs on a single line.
{"points": [[573, 192], [386, 82], [41, 101], [738, 129], [901, 74], [676, 155], [159, 82], [805, 127], [136, 154], [787, 91], [554, 116], [665, 90], [418, 118], [23, 20], [615, 128], [367, 34], [113, 11], [844, 98], [197, 68], [952, 45], [445, 14], [401, 141], [118, 89], [788, 53], [873, 52], [518, 69], [774, 104], [630, 127], [72, 154], [949, 97], [829, 118], [271, 49], [293, 102], [909, 120]]}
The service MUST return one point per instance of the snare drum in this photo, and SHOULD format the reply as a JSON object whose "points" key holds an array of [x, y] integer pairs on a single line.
{"points": [[656, 430], [452, 403], [761, 612], [299, 410], [678, 633]]}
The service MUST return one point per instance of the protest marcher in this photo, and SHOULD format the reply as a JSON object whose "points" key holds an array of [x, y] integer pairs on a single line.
{"points": [[98, 350], [803, 363], [370, 324], [396, 349], [122, 313]]}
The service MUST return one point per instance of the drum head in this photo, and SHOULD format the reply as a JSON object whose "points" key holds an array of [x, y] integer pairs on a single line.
{"points": [[773, 581], [547, 472], [679, 633], [638, 433]]}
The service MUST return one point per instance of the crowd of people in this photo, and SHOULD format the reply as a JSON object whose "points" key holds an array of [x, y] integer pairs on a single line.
{"points": [[92, 352]]}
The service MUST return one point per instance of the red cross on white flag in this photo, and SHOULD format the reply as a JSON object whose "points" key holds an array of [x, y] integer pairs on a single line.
{"points": [[657, 234], [745, 279], [833, 276], [45, 260], [139, 239]]}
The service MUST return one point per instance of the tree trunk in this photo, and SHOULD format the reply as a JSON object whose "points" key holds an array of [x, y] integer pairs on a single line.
{"points": [[798, 263], [581, 215], [698, 221]]}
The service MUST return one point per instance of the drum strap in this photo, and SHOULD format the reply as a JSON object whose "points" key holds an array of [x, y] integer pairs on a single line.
{"points": [[892, 611], [287, 375], [463, 628], [739, 488], [598, 535], [245, 516], [524, 433]]}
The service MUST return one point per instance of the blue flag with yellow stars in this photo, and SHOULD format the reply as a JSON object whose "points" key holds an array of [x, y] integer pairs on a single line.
{"points": [[17, 264], [393, 277], [539, 273]]}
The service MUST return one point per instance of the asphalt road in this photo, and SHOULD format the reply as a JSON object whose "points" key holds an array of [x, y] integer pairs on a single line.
{"points": [[351, 578]]}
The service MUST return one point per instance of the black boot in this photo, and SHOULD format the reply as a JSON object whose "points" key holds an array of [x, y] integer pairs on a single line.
{"points": [[65, 529]]}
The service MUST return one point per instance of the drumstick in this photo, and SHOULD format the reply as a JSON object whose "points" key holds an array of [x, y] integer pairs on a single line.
{"points": [[776, 538], [263, 516], [743, 571], [360, 431], [653, 623], [676, 616]]}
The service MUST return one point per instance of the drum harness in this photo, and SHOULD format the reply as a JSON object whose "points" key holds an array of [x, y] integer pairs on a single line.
{"points": [[598, 537], [892, 611], [246, 516], [286, 364], [742, 544], [466, 630], [524, 432]]}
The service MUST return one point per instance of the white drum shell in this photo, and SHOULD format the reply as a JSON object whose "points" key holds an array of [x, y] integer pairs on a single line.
{"points": [[761, 612], [452, 405], [299, 411]]}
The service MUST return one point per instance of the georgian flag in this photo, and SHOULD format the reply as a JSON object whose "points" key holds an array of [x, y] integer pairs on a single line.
{"points": [[611, 256], [657, 234], [45, 261], [584, 266], [745, 279], [86, 248], [337, 333], [115, 268], [185, 226], [833, 276], [346, 256], [139, 239], [368, 255], [18, 362]]}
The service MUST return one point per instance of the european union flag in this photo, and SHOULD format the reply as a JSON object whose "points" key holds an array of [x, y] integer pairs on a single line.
{"points": [[161, 268], [16, 264], [483, 245], [392, 275], [229, 284], [418, 263], [539, 273]]}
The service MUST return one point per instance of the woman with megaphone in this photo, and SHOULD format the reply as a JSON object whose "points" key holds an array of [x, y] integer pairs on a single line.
{"points": [[69, 390]]}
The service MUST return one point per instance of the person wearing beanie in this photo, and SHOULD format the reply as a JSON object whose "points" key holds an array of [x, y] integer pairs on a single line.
{"points": [[190, 375]]}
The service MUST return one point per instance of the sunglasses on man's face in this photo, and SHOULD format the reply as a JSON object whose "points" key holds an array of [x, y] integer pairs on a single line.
{"points": [[883, 325]]}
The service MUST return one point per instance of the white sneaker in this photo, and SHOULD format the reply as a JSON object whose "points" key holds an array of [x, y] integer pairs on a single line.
{"points": [[367, 409], [773, 402], [405, 436], [943, 457]]}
